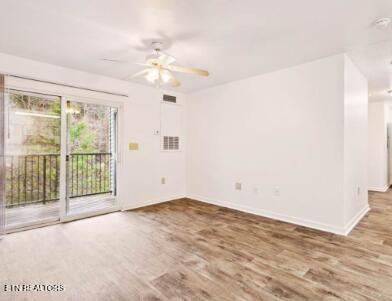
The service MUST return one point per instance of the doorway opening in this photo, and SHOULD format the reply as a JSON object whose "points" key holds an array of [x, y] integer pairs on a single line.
{"points": [[91, 157]]}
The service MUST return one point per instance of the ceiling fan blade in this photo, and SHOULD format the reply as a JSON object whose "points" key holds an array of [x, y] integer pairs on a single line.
{"points": [[174, 82], [112, 60], [188, 70], [143, 64], [140, 73], [165, 59], [126, 62]]}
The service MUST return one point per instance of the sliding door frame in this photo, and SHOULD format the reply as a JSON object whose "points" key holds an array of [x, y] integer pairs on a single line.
{"points": [[2, 155], [73, 95], [63, 163], [48, 220], [64, 217]]}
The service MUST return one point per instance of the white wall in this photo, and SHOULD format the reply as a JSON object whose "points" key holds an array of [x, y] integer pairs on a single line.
{"points": [[146, 167], [378, 156], [355, 143], [282, 130], [140, 171], [286, 136], [282, 136]]}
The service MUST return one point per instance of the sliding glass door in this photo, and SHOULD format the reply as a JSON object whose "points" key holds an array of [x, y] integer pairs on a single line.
{"points": [[60, 159], [32, 157], [91, 158]]}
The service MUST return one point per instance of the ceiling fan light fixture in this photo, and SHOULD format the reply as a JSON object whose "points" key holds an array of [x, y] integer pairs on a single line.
{"points": [[165, 76], [152, 75], [160, 68]]}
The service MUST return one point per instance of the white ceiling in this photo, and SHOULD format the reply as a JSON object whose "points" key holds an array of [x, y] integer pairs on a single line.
{"points": [[375, 62], [232, 39]]}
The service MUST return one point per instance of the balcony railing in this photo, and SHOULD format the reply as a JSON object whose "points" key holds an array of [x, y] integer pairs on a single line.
{"points": [[35, 178]]}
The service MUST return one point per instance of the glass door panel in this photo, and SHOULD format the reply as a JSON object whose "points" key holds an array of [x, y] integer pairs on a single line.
{"points": [[91, 158], [32, 158], [2, 165]]}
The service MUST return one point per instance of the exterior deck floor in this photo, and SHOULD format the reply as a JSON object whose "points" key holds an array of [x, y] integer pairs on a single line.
{"points": [[22, 216]]}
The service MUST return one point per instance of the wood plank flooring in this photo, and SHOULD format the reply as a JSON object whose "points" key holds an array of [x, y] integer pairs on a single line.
{"points": [[187, 250]]}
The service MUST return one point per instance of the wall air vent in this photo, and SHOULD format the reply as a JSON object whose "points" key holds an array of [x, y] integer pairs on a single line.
{"points": [[171, 143], [169, 98]]}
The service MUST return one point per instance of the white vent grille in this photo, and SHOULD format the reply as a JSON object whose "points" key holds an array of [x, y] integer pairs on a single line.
{"points": [[171, 143]]}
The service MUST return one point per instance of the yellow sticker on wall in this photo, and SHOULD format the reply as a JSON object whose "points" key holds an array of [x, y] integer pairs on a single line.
{"points": [[133, 146]]}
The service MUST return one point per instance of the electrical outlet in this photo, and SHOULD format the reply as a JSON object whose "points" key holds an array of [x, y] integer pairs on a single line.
{"points": [[276, 191], [238, 186], [163, 180]]}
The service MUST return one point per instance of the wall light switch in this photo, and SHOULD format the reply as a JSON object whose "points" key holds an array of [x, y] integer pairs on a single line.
{"points": [[133, 146], [238, 186], [163, 180]]}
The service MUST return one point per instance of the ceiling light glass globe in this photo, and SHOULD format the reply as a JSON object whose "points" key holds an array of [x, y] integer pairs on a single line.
{"points": [[152, 75]]}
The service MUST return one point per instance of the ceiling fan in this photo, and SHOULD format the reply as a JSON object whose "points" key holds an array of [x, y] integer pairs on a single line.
{"points": [[160, 69]]}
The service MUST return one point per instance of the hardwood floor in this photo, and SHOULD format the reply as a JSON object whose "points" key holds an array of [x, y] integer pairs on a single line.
{"points": [[187, 250]]}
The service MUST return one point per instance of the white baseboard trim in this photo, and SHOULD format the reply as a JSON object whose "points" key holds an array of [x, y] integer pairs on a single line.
{"points": [[151, 202], [379, 189], [276, 216], [356, 219]]}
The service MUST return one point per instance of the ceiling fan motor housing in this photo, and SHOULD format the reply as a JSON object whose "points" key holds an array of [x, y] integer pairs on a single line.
{"points": [[152, 58], [157, 46]]}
